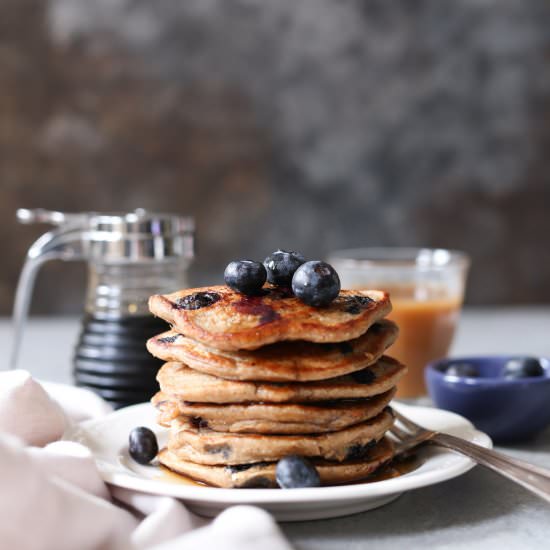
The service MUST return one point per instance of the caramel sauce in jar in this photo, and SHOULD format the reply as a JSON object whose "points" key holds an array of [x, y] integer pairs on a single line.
{"points": [[427, 316]]}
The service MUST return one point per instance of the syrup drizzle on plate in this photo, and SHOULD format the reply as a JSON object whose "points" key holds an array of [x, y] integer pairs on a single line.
{"points": [[172, 477], [397, 467]]}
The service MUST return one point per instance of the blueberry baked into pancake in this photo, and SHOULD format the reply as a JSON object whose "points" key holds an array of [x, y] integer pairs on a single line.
{"points": [[277, 379]]}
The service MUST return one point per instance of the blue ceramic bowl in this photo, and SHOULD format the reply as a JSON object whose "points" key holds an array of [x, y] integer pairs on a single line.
{"points": [[506, 409]]}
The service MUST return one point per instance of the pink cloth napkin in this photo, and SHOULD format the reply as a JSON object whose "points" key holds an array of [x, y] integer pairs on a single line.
{"points": [[52, 496]]}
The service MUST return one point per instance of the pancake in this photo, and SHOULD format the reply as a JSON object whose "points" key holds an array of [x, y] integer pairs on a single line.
{"points": [[227, 320], [192, 442], [279, 418], [263, 474], [178, 380], [280, 362]]}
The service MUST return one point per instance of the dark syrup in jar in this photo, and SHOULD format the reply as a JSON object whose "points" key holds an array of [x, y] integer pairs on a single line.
{"points": [[111, 358]]}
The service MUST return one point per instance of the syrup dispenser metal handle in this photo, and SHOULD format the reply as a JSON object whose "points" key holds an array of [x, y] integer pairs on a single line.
{"points": [[63, 243], [54, 217]]}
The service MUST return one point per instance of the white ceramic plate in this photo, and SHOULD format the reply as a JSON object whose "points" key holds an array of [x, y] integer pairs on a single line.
{"points": [[107, 439]]}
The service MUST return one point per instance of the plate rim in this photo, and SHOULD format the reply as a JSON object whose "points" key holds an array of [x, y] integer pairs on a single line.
{"points": [[356, 491]]}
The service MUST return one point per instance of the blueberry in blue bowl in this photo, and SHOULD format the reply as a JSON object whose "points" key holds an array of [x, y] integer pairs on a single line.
{"points": [[508, 397], [522, 367], [461, 370]]}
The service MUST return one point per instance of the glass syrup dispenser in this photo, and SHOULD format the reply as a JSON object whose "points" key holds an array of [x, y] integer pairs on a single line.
{"points": [[130, 256]]}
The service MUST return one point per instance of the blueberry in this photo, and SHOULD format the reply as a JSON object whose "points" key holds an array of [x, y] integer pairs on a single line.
{"points": [[522, 367], [168, 339], [142, 445], [359, 450], [356, 304], [462, 370], [294, 471], [197, 300], [245, 276], [316, 283], [281, 266], [365, 376]]}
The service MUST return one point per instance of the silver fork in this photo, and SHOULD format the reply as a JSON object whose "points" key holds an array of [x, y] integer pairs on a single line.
{"points": [[533, 478]]}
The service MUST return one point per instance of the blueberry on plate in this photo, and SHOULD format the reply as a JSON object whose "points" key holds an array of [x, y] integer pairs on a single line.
{"points": [[522, 367], [294, 471], [142, 445], [316, 283], [462, 370], [245, 276], [281, 266]]}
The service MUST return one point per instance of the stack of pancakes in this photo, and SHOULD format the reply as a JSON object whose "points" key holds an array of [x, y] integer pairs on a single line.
{"points": [[251, 379]]}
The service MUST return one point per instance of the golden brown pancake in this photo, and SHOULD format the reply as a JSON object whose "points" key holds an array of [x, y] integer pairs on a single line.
{"points": [[179, 381], [263, 474], [192, 442], [283, 361], [224, 319], [274, 418]]}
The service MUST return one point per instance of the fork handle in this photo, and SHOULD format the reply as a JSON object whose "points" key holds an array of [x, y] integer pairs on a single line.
{"points": [[533, 478]]}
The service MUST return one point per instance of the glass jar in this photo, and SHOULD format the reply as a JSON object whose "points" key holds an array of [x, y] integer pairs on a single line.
{"points": [[130, 256]]}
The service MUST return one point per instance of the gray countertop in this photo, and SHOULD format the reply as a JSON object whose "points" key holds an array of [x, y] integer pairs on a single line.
{"points": [[476, 510]]}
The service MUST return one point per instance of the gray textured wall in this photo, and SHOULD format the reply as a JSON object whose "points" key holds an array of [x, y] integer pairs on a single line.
{"points": [[311, 124]]}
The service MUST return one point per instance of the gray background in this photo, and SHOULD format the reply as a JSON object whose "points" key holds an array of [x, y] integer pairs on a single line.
{"points": [[307, 124]]}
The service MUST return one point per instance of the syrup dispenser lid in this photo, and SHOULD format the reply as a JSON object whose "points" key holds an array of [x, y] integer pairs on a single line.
{"points": [[118, 237]]}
